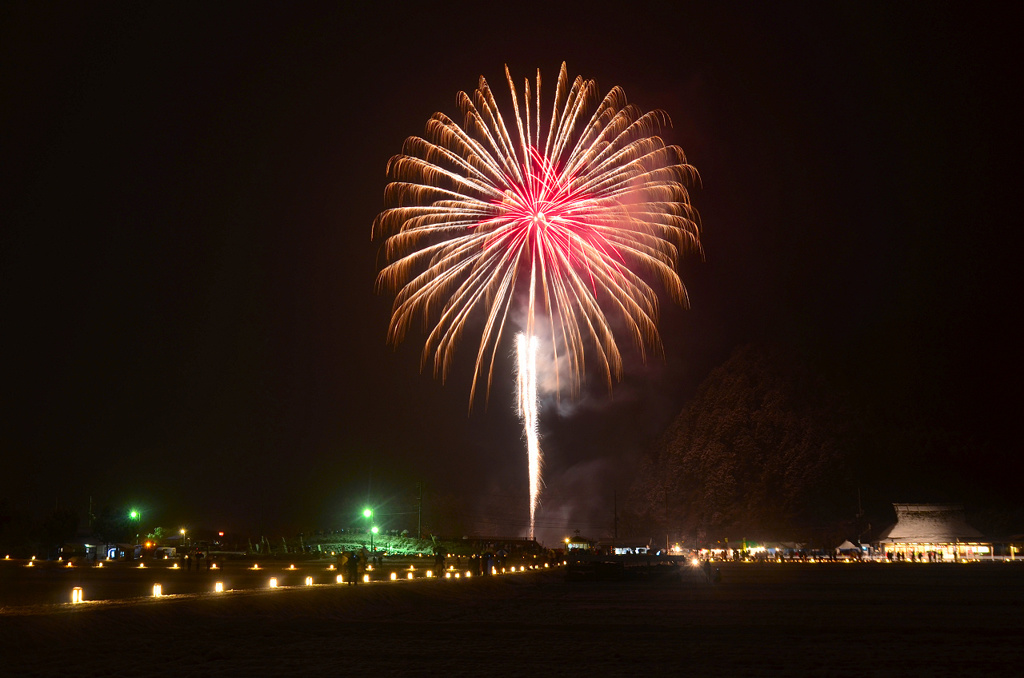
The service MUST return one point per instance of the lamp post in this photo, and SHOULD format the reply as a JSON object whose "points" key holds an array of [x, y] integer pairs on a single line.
{"points": [[135, 517], [368, 513]]}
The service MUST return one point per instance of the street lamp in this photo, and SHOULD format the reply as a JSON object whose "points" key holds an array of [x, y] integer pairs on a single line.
{"points": [[368, 513], [135, 517]]}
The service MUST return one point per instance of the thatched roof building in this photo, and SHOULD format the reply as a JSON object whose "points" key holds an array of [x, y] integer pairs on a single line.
{"points": [[933, 531]]}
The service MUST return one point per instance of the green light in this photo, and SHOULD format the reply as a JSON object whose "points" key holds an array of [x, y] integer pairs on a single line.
{"points": [[367, 513], [374, 529], [134, 515]]}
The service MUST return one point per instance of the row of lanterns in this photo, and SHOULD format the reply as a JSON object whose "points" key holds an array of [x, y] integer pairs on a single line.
{"points": [[77, 595]]}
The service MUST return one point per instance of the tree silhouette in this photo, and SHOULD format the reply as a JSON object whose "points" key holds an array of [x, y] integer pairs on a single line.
{"points": [[760, 451]]}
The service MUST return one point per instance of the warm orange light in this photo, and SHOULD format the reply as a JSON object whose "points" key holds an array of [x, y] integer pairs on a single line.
{"points": [[76, 595]]}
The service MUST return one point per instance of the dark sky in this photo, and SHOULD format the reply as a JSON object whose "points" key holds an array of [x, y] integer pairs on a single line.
{"points": [[190, 320]]}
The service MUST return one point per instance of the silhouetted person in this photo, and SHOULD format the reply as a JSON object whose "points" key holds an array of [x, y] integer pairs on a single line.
{"points": [[353, 569]]}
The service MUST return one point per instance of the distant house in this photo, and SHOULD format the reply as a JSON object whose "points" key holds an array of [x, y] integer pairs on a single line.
{"points": [[578, 543], [932, 532]]}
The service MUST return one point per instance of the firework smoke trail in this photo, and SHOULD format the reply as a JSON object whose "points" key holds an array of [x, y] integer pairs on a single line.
{"points": [[526, 399], [574, 222]]}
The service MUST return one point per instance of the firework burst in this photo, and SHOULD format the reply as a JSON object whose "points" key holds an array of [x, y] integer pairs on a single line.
{"points": [[575, 222]]}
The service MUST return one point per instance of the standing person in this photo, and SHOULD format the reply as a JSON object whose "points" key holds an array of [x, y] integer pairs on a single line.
{"points": [[352, 568], [439, 560], [707, 570], [362, 563]]}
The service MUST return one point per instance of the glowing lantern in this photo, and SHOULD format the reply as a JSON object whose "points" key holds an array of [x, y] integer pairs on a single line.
{"points": [[158, 590], [309, 581], [76, 595], [273, 582], [218, 587]]}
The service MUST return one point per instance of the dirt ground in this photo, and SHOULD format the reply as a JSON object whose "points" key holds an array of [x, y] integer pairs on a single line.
{"points": [[760, 620]]}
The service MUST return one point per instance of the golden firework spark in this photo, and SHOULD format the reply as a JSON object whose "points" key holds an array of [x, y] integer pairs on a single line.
{"points": [[576, 222]]}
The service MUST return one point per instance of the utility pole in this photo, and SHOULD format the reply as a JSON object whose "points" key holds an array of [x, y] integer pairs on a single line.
{"points": [[615, 510], [419, 511]]}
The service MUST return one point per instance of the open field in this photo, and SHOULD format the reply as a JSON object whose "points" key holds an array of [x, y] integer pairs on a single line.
{"points": [[762, 619]]}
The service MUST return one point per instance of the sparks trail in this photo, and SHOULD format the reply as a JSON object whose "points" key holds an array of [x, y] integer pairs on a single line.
{"points": [[526, 399]]}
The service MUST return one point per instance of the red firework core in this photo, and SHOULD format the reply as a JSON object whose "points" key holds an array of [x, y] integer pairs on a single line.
{"points": [[561, 224]]}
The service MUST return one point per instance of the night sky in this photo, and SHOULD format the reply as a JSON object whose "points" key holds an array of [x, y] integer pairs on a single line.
{"points": [[190, 323]]}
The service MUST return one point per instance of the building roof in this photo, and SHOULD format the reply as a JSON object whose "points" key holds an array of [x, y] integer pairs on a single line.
{"points": [[929, 523]]}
